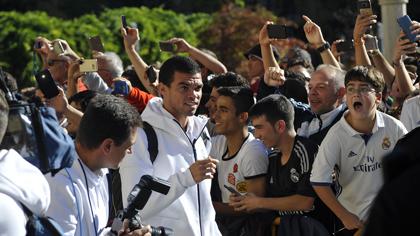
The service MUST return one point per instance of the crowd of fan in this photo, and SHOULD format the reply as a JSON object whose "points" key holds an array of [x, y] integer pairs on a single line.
{"points": [[288, 149]]}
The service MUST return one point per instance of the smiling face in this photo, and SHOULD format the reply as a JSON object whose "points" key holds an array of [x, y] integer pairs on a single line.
{"points": [[182, 97], [323, 95], [226, 119], [362, 100], [265, 131], [211, 104]]}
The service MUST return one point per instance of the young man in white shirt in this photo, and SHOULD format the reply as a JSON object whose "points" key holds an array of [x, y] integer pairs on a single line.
{"points": [[242, 158], [354, 147], [80, 194]]}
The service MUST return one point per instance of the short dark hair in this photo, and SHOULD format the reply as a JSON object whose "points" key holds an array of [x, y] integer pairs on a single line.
{"points": [[107, 116], [4, 114], [242, 97], [83, 98], [275, 107], [177, 63], [366, 74], [228, 79]]}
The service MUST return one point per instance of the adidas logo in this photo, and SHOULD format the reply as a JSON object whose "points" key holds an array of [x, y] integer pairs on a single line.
{"points": [[351, 154]]}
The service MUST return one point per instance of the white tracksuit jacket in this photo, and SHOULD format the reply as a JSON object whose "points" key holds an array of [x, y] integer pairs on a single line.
{"points": [[187, 208]]}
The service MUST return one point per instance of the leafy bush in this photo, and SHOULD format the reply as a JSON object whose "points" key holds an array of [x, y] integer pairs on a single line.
{"points": [[19, 31]]}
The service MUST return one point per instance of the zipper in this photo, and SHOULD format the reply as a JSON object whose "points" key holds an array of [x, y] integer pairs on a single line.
{"points": [[195, 159]]}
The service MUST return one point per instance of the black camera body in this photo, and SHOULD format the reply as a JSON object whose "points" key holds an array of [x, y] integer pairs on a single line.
{"points": [[137, 199]]}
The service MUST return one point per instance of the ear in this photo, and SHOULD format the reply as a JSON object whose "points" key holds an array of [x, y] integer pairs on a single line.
{"points": [[280, 126], [378, 97], [162, 89], [341, 92], [106, 145], [243, 117]]}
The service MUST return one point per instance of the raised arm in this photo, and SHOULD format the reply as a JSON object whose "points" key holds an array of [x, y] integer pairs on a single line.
{"points": [[363, 23], [403, 47], [131, 36], [383, 66], [205, 59], [314, 36]]}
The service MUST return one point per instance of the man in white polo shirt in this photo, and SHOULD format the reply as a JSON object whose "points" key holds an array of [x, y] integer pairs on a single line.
{"points": [[354, 147]]}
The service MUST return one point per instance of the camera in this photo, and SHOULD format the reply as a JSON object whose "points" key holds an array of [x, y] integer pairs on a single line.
{"points": [[137, 199]]}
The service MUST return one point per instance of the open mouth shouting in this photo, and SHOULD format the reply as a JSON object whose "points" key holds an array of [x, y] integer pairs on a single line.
{"points": [[357, 105]]}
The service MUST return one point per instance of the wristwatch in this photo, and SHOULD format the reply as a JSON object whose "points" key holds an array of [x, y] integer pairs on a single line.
{"points": [[323, 47]]}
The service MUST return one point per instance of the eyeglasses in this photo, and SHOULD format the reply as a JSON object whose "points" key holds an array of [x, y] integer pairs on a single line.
{"points": [[51, 62], [362, 90]]}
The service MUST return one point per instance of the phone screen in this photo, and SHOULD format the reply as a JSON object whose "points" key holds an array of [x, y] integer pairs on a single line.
{"points": [[95, 44], [47, 84], [277, 31]]}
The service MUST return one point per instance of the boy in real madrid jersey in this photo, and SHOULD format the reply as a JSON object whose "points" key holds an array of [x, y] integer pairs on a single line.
{"points": [[289, 193], [354, 147], [242, 158]]}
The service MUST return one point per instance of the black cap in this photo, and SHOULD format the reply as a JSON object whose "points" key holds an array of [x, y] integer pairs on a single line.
{"points": [[256, 51]]}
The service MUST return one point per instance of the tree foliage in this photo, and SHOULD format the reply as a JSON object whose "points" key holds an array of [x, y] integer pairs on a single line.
{"points": [[19, 31]]}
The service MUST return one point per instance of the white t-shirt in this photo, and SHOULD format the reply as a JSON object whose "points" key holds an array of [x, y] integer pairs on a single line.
{"points": [[410, 114], [358, 161], [251, 161]]}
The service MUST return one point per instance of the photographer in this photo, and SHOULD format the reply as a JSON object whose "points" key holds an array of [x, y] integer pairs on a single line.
{"points": [[80, 194]]}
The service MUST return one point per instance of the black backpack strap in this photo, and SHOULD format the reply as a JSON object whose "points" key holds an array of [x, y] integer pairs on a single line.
{"points": [[152, 141]]}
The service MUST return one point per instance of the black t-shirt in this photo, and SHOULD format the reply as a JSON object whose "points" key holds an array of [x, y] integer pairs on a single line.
{"points": [[293, 177]]}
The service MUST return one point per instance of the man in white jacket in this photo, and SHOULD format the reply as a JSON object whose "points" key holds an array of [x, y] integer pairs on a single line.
{"points": [[182, 155]]}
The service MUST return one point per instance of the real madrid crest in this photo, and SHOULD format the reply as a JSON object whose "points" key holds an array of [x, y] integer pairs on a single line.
{"points": [[386, 143], [294, 175]]}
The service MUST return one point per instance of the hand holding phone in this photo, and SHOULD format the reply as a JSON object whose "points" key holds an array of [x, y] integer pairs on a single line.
{"points": [[277, 31], [405, 23], [124, 22], [151, 74], [88, 65], [167, 47], [47, 84], [345, 46], [364, 7], [232, 190]]}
